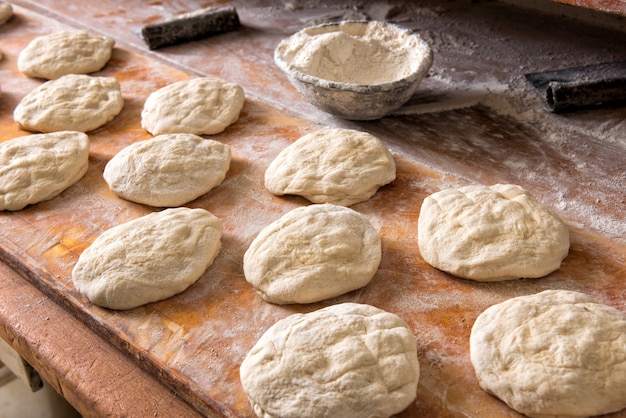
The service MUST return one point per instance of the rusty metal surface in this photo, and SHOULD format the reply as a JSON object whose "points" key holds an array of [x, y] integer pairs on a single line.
{"points": [[617, 7]]}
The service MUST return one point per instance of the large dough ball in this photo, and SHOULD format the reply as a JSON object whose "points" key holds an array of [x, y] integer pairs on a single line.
{"points": [[74, 102], [168, 170], [196, 106], [38, 167], [148, 259], [6, 12], [333, 165], [554, 353], [348, 360], [313, 253], [490, 233], [65, 52]]}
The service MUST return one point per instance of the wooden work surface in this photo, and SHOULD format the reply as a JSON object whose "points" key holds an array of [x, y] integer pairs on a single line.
{"points": [[474, 120], [98, 379]]}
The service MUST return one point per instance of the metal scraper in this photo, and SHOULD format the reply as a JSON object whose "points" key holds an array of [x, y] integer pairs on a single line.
{"points": [[582, 87]]}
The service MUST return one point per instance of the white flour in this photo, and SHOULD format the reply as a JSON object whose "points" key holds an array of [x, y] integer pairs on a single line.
{"points": [[375, 56]]}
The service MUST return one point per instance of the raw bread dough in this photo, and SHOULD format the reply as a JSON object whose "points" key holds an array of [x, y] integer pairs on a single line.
{"points": [[196, 106], [346, 360], [6, 12], [168, 170], [313, 253], [490, 233], [38, 167], [66, 52], [148, 259], [74, 102], [333, 165], [554, 353]]}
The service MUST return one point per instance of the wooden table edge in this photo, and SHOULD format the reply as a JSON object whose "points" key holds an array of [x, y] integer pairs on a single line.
{"points": [[91, 374]]}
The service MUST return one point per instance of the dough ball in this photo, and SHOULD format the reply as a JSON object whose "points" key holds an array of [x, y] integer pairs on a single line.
{"points": [[148, 259], [491, 233], [555, 353], [168, 170], [6, 12], [66, 52], [313, 253], [339, 166], [74, 102], [196, 106], [348, 360], [38, 167]]}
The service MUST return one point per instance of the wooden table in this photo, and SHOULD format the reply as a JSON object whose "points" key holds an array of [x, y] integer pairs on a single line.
{"points": [[94, 376], [475, 119]]}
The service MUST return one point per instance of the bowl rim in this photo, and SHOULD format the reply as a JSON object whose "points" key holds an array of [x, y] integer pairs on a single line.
{"points": [[418, 74]]}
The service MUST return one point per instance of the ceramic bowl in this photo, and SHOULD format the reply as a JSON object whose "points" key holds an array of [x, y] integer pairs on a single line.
{"points": [[353, 69]]}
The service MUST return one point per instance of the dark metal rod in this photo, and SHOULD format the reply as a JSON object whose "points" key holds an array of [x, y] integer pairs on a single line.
{"points": [[190, 27], [569, 96]]}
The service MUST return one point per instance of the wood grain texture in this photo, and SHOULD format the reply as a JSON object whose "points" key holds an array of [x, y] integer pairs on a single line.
{"points": [[94, 376], [195, 341]]}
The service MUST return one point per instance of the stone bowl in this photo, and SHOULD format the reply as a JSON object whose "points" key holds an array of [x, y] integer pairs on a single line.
{"points": [[354, 69]]}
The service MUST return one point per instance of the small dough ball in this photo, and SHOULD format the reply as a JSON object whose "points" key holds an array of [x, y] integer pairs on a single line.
{"points": [[148, 259], [554, 353], [66, 52], [168, 170], [197, 106], [38, 167], [333, 165], [6, 12], [74, 102], [491, 233], [348, 360], [313, 253]]}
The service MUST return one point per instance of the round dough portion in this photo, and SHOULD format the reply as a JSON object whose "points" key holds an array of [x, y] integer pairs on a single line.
{"points": [[348, 360], [6, 12], [38, 167], [149, 258], [168, 170], [313, 253], [333, 165], [74, 102], [65, 52], [196, 106], [491, 233], [555, 353]]}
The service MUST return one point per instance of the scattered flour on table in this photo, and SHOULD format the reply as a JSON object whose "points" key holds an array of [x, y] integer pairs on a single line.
{"points": [[527, 107]]}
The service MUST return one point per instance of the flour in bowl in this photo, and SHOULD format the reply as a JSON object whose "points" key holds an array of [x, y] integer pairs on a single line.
{"points": [[356, 54]]}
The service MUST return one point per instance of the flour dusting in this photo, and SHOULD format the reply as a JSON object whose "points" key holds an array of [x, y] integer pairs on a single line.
{"points": [[340, 53]]}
